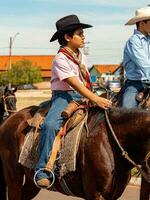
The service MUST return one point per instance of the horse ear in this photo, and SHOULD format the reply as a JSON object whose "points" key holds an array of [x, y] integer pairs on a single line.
{"points": [[6, 89], [15, 89]]}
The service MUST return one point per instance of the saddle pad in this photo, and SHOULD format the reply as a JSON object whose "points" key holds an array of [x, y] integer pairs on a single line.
{"points": [[68, 152], [30, 150]]}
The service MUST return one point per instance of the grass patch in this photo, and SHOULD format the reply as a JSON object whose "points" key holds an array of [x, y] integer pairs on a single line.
{"points": [[135, 173]]}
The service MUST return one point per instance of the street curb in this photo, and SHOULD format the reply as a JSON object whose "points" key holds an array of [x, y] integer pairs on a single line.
{"points": [[135, 181]]}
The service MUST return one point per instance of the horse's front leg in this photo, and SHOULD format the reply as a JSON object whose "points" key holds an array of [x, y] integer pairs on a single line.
{"points": [[145, 190], [97, 174], [13, 175], [14, 184], [29, 189], [120, 181], [90, 185], [145, 185]]}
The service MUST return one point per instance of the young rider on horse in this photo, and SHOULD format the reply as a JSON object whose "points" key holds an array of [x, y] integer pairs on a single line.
{"points": [[136, 59], [70, 81]]}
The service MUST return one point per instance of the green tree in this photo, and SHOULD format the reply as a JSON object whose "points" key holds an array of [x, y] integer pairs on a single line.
{"points": [[4, 78], [22, 72]]}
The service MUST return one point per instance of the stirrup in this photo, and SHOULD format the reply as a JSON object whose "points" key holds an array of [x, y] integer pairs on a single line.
{"points": [[51, 178]]}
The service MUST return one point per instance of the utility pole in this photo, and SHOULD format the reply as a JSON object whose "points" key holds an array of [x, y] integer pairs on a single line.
{"points": [[12, 39], [10, 49]]}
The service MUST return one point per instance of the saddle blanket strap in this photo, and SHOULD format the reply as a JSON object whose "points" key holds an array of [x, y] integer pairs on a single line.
{"points": [[55, 149]]}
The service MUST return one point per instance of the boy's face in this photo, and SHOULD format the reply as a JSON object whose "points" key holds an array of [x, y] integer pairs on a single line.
{"points": [[77, 40]]}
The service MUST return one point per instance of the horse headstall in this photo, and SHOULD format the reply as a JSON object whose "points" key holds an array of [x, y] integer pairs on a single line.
{"points": [[3, 99]]}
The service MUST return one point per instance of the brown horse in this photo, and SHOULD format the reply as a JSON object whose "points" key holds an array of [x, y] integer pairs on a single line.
{"points": [[102, 173], [7, 106]]}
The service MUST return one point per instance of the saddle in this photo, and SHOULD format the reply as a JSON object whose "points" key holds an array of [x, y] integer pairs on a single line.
{"points": [[66, 141], [143, 98], [72, 114]]}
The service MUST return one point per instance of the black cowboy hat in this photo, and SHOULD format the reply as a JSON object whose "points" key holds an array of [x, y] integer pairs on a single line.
{"points": [[66, 24]]}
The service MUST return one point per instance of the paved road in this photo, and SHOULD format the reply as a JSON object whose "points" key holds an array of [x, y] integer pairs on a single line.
{"points": [[131, 193]]}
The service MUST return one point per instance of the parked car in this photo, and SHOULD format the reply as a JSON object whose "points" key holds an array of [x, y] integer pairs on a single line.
{"points": [[114, 85], [26, 87]]}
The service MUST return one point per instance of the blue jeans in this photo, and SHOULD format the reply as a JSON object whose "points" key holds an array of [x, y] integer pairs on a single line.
{"points": [[51, 126], [130, 90]]}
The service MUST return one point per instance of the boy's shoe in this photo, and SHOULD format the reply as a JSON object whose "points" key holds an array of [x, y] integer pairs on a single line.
{"points": [[44, 182]]}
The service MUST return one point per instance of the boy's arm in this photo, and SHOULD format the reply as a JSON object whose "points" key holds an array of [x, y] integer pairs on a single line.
{"points": [[80, 88]]}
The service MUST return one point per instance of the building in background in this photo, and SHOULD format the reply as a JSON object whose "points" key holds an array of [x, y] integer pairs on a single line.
{"points": [[43, 61], [100, 73], [106, 71], [107, 75]]}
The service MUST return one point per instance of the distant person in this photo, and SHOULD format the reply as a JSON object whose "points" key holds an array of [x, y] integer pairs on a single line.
{"points": [[70, 81], [136, 60], [101, 82]]}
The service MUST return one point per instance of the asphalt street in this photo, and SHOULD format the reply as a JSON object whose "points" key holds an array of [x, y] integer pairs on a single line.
{"points": [[131, 193]]}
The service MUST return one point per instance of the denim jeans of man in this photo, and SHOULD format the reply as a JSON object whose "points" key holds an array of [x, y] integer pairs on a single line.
{"points": [[51, 126], [130, 90]]}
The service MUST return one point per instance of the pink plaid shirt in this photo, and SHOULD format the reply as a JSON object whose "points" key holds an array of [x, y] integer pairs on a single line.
{"points": [[64, 68]]}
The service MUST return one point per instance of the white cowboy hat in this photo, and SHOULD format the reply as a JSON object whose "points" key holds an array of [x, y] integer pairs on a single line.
{"points": [[140, 15]]}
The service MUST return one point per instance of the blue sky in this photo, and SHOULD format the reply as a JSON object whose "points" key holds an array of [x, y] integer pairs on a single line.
{"points": [[35, 22]]}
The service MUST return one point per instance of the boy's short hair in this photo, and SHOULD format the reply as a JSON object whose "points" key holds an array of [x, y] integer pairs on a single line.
{"points": [[61, 38], [137, 24]]}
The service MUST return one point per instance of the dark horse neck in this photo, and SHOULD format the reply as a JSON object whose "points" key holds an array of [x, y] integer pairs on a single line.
{"points": [[132, 130], [131, 127]]}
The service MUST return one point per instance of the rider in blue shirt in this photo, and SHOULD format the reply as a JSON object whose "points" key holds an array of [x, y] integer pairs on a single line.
{"points": [[136, 60]]}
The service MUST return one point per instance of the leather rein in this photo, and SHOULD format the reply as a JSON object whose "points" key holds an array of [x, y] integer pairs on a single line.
{"points": [[125, 153]]}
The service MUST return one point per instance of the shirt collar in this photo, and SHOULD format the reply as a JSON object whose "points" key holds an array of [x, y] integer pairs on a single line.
{"points": [[139, 34]]}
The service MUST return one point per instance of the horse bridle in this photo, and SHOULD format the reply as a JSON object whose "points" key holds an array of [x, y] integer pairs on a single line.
{"points": [[125, 153], [5, 104]]}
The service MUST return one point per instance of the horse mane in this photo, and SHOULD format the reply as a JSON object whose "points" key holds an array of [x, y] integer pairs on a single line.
{"points": [[117, 116]]}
